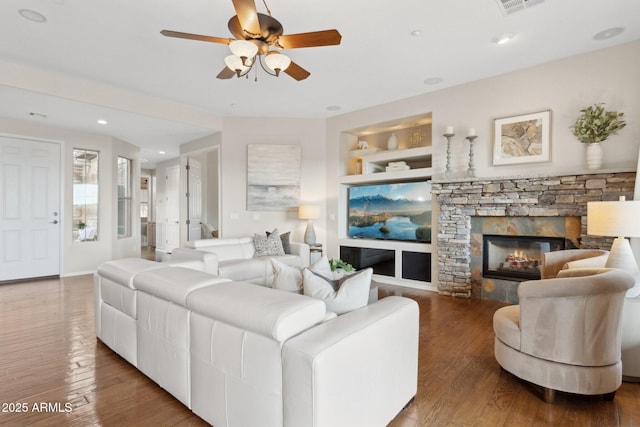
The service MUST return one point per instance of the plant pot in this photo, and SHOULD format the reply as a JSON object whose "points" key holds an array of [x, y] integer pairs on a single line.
{"points": [[594, 156]]}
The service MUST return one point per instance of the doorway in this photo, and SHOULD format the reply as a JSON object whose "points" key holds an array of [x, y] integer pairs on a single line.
{"points": [[30, 220]]}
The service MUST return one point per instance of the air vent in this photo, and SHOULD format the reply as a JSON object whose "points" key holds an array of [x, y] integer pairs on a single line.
{"points": [[508, 7]]}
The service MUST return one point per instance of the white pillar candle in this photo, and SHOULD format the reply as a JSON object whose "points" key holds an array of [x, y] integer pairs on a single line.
{"points": [[448, 130], [472, 132]]}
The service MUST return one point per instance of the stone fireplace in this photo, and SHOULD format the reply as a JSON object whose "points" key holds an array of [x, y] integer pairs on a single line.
{"points": [[527, 206]]}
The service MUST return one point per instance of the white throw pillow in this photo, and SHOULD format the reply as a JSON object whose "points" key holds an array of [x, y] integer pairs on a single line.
{"points": [[286, 277], [352, 291], [322, 268]]}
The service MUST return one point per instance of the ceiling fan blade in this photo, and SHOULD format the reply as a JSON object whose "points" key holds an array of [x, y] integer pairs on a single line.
{"points": [[313, 39], [226, 73], [248, 17], [297, 72], [190, 36]]}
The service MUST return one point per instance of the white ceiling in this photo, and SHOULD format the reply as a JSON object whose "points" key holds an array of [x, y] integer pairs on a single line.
{"points": [[117, 44]]}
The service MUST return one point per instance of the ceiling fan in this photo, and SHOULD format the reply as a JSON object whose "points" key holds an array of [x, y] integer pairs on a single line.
{"points": [[256, 34]]}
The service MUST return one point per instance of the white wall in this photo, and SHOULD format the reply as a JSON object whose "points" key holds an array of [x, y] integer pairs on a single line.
{"points": [[237, 133], [565, 86], [84, 257]]}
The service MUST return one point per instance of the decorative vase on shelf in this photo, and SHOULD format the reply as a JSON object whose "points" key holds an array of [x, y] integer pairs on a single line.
{"points": [[594, 156], [392, 144]]}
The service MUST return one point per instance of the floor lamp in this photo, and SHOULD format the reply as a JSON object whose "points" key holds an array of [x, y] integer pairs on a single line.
{"points": [[309, 212], [618, 219]]}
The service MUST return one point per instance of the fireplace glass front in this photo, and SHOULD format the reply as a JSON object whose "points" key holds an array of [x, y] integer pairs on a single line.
{"points": [[516, 257]]}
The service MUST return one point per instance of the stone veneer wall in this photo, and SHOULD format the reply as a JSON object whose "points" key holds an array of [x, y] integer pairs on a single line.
{"points": [[461, 199]]}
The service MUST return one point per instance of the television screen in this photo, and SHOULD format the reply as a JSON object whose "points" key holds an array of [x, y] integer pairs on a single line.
{"points": [[395, 211]]}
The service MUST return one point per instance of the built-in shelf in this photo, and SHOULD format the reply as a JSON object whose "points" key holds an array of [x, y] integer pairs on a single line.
{"points": [[374, 163], [371, 166]]}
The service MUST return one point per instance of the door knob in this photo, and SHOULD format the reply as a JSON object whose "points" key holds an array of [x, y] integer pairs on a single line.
{"points": [[55, 221]]}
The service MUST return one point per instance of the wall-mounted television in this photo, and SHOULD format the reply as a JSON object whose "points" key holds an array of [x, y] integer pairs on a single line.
{"points": [[391, 211]]}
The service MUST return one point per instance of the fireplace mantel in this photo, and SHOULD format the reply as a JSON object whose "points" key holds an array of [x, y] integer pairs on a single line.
{"points": [[458, 200]]}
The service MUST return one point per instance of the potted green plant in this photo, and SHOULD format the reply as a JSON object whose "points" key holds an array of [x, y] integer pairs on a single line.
{"points": [[594, 125], [340, 267]]}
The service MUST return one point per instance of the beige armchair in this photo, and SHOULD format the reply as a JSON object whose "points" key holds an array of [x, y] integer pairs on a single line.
{"points": [[553, 262], [566, 333]]}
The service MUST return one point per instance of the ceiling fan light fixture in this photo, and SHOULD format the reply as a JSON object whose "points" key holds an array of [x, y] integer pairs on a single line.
{"points": [[234, 63], [277, 61], [243, 49]]}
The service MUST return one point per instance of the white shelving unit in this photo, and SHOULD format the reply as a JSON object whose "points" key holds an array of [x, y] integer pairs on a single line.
{"points": [[369, 166]]}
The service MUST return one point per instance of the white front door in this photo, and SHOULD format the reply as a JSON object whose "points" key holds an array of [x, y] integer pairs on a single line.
{"points": [[172, 209], [194, 201], [29, 208]]}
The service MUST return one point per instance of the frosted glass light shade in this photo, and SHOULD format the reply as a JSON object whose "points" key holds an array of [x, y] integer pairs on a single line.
{"points": [[243, 48], [234, 63], [277, 61]]}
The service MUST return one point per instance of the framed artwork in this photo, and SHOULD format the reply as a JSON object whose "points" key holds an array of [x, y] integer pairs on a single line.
{"points": [[273, 177], [522, 139]]}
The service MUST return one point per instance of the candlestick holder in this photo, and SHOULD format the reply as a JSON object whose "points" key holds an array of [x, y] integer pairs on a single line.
{"points": [[447, 171], [471, 173]]}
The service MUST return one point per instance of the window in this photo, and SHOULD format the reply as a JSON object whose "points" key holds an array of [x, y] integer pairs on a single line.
{"points": [[124, 197], [85, 195]]}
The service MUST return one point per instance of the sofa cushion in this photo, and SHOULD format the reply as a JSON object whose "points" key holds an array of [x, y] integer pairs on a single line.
{"points": [[173, 284], [322, 268], [267, 245], [122, 271], [278, 315], [243, 269], [286, 277], [341, 296], [232, 248]]}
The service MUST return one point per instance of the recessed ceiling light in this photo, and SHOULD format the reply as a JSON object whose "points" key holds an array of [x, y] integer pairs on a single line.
{"points": [[608, 33], [102, 122], [433, 80], [416, 33], [503, 38], [333, 107], [161, 152], [32, 15]]}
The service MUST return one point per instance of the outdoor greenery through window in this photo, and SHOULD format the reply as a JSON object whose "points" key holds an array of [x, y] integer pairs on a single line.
{"points": [[124, 197], [85, 195]]}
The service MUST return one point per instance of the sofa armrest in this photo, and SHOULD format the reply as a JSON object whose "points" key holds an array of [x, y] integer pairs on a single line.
{"points": [[332, 373], [195, 259], [302, 250]]}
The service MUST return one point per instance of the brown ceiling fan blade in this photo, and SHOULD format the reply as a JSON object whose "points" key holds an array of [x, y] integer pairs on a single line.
{"points": [[297, 72], [248, 16], [313, 39], [190, 36], [226, 73]]}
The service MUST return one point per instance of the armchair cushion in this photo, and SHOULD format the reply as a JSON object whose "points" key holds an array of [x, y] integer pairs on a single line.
{"points": [[347, 294]]}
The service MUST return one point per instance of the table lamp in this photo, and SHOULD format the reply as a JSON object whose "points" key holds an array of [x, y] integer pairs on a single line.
{"points": [[618, 219], [309, 212]]}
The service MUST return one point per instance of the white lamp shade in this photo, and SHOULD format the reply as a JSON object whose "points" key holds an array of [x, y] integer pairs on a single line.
{"points": [[616, 219], [243, 48], [277, 61], [308, 212], [234, 63]]}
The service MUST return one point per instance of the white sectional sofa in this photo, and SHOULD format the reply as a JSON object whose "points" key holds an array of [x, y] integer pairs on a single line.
{"points": [[234, 258], [241, 355]]}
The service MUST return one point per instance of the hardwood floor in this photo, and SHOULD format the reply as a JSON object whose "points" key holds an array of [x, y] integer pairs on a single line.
{"points": [[55, 372]]}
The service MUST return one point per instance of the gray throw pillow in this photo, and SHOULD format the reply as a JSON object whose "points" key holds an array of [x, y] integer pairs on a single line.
{"points": [[267, 246]]}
